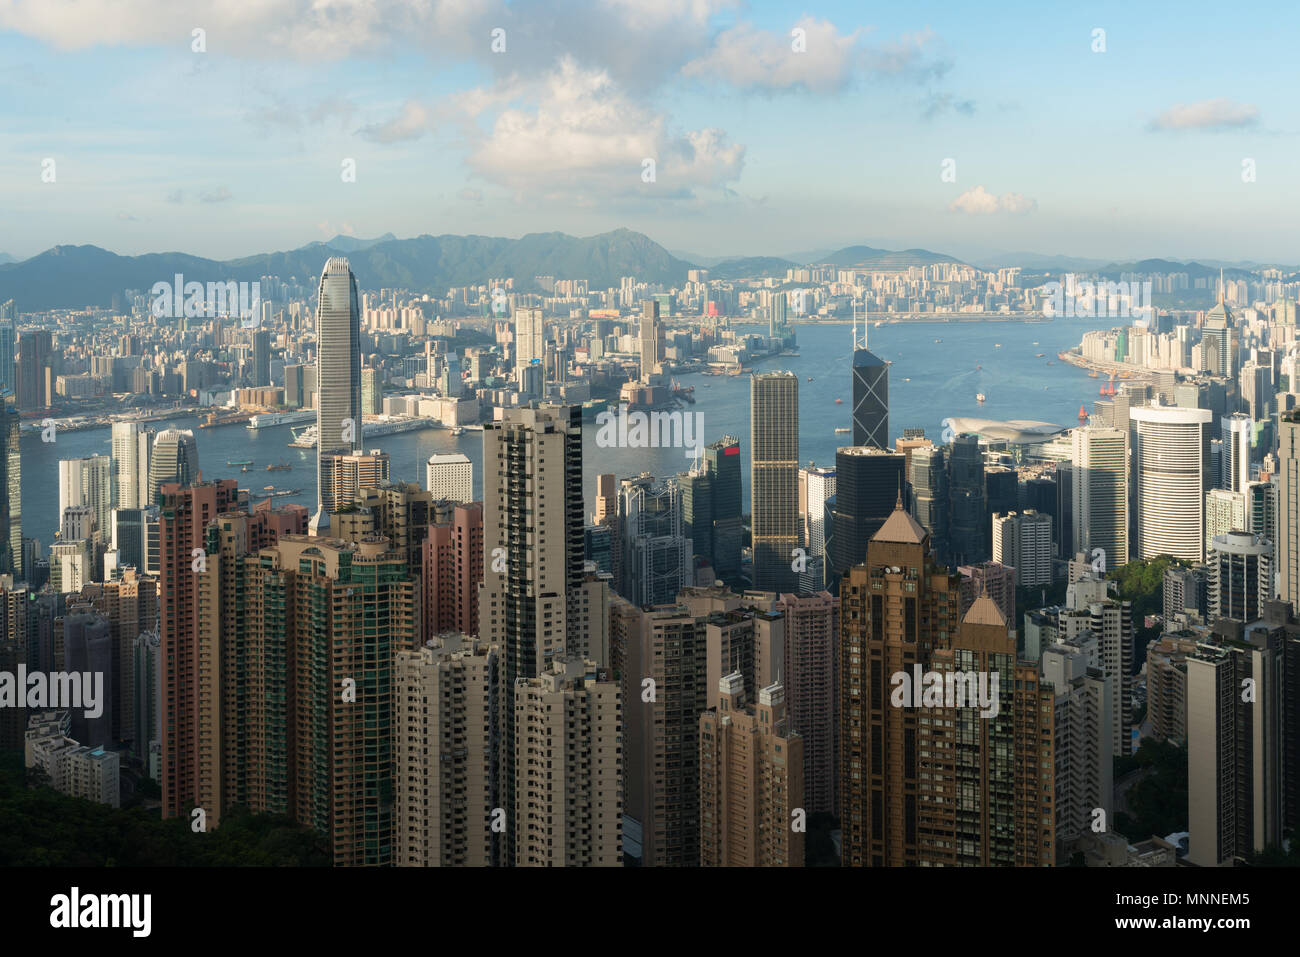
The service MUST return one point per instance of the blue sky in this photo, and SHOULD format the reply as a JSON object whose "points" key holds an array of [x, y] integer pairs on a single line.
{"points": [[1132, 152]]}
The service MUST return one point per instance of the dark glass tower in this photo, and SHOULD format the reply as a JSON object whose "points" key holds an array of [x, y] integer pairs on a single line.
{"points": [[11, 520], [968, 512], [870, 395], [868, 484], [929, 480], [722, 463]]}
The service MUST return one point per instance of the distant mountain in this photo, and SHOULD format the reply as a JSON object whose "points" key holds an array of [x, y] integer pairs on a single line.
{"points": [[72, 276], [6, 258], [1037, 262], [350, 244], [1194, 270], [851, 256], [750, 267]]}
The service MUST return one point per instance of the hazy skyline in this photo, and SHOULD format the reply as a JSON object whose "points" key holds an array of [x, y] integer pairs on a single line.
{"points": [[1130, 153]]}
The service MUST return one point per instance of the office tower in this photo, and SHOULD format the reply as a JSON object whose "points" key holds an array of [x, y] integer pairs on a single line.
{"points": [[445, 716], [1225, 512], [88, 648], [130, 606], [338, 409], [929, 479], [295, 395], [1001, 489], [130, 465], [1111, 622], [1099, 483], [869, 485], [1171, 474], [606, 498], [811, 676], [1084, 742], [968, 514], [35, 353], [453, 571], [1241, 576], [450, 475], [88, 482], [652, 554], [697, 513], [261, 376], [175, 458], [146, 695], [722, 464], [1234, 748], [994, 579], [343, 475], [1236, 431], [648, 338], [986, 789], [11, 490], [530, 338], [1185, 592], [186, 511], [870, 395], [1217, 333], [1288, 507], [1261, 509], [598, 547], [531, 601], [751, 780], [571, 804], [8, 353], [1023, 540], [816, 490], [894, 611], [372, 392], [664, 662], [1064, 529], [912, 439], [774, 473], [777, 312]]}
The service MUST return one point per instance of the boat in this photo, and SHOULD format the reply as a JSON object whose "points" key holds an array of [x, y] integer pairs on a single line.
{"points": [[268, 488], [246, 468], [240, 462], [997, 345], [1092, 375], [907, 380], [979, 396], [282, 467], [843, 430], [839, 401], [1035, 342], [458, 430], [268, 419], [1039, 355], [810, 378], [938, 340]]}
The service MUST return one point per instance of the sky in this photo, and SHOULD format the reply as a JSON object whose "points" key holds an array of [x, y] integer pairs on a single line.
{"points": [[219, 128]]}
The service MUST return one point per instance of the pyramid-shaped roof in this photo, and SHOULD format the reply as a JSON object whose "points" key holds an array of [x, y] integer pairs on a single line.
{"points": [[985, 611], [900, 527]]}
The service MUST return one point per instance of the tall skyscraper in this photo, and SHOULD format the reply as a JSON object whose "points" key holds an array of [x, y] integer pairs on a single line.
{"points": [[88, 481], [8, 353], [130, 465], [816, 492], [1100, 483], [1171, 474], [11, 489], [1084, 745], [1023, 540], [453, 571], [1288, 507], [175, 458], [338, 338], [774, 474], [648, 334], [870, 394], [929, 479], [722, 464], [1236, 431], [811, 676], [652, 553], [531, 603], [869, 483], [530, 338], [968, 513], [1241, 576], [751, 780], [895, 610], [261, 358]]}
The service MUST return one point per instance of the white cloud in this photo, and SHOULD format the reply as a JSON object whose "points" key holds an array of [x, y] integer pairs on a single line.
{"points": [[749, 58], [414, 120], [581, 136], [1216, 114], [980, 202]]}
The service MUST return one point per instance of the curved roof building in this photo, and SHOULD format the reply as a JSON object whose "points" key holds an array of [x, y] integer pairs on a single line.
{"points": [[1015, 431]]}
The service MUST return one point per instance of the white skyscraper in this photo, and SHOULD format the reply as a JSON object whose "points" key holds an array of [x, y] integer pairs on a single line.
{"points": [[530, 337], [338, 339], [88, 482], [1234, 467], [450, 475], [1171, 474], [1023, 540], [1100, 483], [130, 465]]}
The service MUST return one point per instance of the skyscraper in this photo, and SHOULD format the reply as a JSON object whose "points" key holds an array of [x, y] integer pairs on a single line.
{"points": [[175, 458], [531, 603], [130, 465], [1241, 576], [1288, 507], [869, 483], [1023, 540], [261, 358], [1171, 474], [811, 677], [774, 474], [968, 513], [8, 353], [450, 475], [338, 338], [722, 464], [870, 395], [530, 338], [648, 334], [652, 553], [1236, 431], [88, 481], [11, 489], [929, 479]]}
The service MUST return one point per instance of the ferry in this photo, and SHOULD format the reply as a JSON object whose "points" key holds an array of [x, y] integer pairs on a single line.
{"points": [[979, 396], [843, 430], [458, 430], [1092, 375], [266, 420], [1039, 355], [839, 401], [240, 462], [282, 467], [268, 488]]}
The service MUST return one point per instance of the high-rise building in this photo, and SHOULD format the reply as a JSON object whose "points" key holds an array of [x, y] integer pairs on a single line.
{"points": [[88, 482], [1099, 483], [697, 512], [929, 480], [722, 464], [968, 514], [530, 338], [1288, 507], [450, 475], [1235, 770], [1261, 509], [446, 697], [1241, 576], [452, 571], [372, 391], [1171, 474], [751, 780], [261, 376], [8, 352], [175, 458], [774, 474], [869, 484], [130, 465], [895, 610], [343, 475], [606, 498], [533, 604], [338, 409], [571, 803], [1236, 431], [648, 336], [811, 676], [816, 492], [1225, 511], [1111, 622], [994, 579], [870, 395], [1084, 744], [652, 553], [11, 490], [1023, 540]]}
